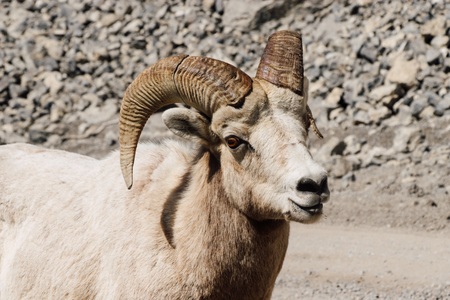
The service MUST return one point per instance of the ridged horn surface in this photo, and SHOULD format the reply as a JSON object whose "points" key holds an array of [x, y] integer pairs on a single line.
{"points": [[201, 82], [282, 65], [282, 61]]}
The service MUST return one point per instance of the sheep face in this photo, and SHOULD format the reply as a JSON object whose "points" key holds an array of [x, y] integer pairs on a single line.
{"points": [[256, 128], [268, 172]]}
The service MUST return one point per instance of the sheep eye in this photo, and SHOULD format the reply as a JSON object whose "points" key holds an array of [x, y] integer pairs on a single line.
{"points": [[233, 142]]}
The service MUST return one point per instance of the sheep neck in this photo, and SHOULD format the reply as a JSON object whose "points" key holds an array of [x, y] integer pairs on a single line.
{"points": [[221, 252]]}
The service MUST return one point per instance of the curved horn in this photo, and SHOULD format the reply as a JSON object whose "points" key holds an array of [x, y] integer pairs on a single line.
{"points": [[282, 65], [282, 61], [201, 82]]}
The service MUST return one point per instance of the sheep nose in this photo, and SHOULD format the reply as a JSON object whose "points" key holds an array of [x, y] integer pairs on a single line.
{"points": [[319, 187]]}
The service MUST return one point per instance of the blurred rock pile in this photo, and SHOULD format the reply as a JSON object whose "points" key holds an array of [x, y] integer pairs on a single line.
{"points": [[379, 70]]}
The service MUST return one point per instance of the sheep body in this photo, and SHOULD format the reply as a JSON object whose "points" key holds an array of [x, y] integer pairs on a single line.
{"points": [[114, 243], [208, 219]]}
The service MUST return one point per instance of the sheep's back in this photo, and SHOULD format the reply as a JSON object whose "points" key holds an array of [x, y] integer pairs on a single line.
{"points": [[68, 222]]}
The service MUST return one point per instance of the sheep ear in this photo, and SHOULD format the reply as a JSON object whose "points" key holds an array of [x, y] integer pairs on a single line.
{"points": [[310, 121], [188, 124]]}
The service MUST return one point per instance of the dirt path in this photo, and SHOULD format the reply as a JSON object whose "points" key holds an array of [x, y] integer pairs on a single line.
{"points": [[332, 262]]}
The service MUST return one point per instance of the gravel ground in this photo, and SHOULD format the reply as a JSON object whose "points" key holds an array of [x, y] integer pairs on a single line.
{"points": [[380, 91]]}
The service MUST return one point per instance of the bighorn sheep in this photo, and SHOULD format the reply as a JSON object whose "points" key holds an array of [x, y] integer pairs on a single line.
{"points": [[205, 219]]}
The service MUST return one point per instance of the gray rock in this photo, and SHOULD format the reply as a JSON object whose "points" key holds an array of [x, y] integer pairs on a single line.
{"points": [[252, 13], [440, 41], [427, 112], [432, 98], [432, 83], [161, 12], [363, 105], [53, 81], [133, 26], [53, 47], [403, 116], [369, 53], [220, 6], [37, 92], [337, 115], [375, 156], [434, 27], [433, 56], [122, 7], [111, 138], [340, 167], [442, 106], [361, 118], [379, 114], [403, 71], [53, 140], [109, 19], [393, 40], [383, 91], [333, 79], [16, 91], [353, 145], [208, 4], [329, 147], [417, 46], [96, 115], [418, 104], [334, 97], [56, 112], [407, 139], [37, 136], [313, 73], [5, 82]]}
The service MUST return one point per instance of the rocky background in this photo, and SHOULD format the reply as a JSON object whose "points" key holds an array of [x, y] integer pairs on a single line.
{"points": [[379, 73]]}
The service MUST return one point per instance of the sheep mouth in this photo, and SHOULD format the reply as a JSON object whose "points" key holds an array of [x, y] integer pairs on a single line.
{"points": [[312, 210]]}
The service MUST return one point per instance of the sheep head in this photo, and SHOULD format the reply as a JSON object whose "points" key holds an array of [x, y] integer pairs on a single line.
{"points": [[256, 129]]}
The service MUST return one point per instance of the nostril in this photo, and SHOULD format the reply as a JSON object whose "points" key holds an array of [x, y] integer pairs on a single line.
{"points": [[324, 185], [308, 185]]}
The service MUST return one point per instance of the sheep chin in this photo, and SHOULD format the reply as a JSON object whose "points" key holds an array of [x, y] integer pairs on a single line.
{"points": [[303, 214]]}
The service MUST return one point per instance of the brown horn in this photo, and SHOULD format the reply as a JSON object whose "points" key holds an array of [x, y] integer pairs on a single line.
{"points": [[282, 61], [200, 82], [282, 65]]}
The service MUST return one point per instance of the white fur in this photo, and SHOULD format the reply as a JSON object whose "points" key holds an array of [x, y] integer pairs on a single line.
{"points": [[202, 221]]}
